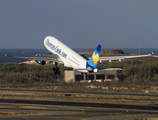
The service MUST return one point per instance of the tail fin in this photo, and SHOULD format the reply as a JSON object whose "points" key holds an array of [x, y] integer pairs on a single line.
{"points": [[92, 63], [152, 53]]}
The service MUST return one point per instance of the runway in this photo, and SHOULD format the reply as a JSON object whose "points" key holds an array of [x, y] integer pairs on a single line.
{"points": [[84, 92], [45, 110], [83, 104], [29, 109]]}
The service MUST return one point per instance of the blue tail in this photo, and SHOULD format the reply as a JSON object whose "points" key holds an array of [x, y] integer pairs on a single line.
{"points": [[93, 62], [152, 53]]}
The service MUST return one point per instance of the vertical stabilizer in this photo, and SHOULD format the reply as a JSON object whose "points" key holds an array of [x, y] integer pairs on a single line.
{"points": [[92, 63]]}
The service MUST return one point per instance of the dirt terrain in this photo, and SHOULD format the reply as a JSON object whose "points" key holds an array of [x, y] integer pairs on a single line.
{"points": [[110, 52]]}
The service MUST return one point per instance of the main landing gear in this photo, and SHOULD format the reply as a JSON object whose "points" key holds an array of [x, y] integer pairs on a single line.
{"points": [[56, 69]]}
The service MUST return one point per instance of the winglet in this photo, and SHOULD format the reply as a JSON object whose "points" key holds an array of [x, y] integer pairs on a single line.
{"points": [[6, 54], [92, 63], [152, 53]]}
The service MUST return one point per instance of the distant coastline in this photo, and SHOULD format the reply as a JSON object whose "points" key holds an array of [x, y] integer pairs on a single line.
{"points": [[32, 52]]}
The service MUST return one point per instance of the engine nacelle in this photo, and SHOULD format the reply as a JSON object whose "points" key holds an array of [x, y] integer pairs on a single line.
{"points": [[40, 62]]}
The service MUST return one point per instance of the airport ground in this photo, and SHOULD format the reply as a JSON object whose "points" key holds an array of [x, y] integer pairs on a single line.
{"points": [[132, 99], [35, 104]]}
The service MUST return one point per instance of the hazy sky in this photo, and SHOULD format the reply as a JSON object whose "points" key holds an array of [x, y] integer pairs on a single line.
{"points": [[79, 23]]}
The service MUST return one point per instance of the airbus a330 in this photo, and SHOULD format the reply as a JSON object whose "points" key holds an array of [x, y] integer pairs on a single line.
{"points": [[69, 58]]}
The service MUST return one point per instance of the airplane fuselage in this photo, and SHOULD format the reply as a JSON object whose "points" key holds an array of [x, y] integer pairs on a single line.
{"points": [[69, 57]]}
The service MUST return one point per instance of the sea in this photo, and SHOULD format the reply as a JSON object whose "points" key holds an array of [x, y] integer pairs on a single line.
{"points": [[33, 52]]}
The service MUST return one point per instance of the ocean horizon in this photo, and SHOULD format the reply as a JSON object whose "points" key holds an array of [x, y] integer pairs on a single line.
{"points": [[32, 52]]}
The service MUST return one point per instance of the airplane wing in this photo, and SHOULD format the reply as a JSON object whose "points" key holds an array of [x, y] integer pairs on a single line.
{"points": [[52, 57], [110, 58]]}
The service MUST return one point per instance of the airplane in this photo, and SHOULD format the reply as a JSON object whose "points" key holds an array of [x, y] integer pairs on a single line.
{"points": [[69, 58]]}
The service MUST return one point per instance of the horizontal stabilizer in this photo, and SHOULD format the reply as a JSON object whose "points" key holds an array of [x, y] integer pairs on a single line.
{"points": [[99, 69], [104, 69]]}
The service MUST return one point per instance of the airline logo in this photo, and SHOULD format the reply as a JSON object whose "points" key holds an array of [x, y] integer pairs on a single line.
{"points": [[95, 58], [37, 55], [56, 49]]}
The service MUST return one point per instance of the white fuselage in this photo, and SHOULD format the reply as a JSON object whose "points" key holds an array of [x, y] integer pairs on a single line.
{"points": [[69, 57]]}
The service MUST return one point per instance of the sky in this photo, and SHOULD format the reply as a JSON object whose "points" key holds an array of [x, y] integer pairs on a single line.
{"points": [[79, 23]]}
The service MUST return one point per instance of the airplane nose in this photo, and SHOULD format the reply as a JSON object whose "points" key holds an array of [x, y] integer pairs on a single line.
{"points": [[45, 39], [50, 38]]}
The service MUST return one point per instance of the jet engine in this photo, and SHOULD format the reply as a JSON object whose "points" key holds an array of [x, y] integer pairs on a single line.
{"points": [[40, 62]]}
